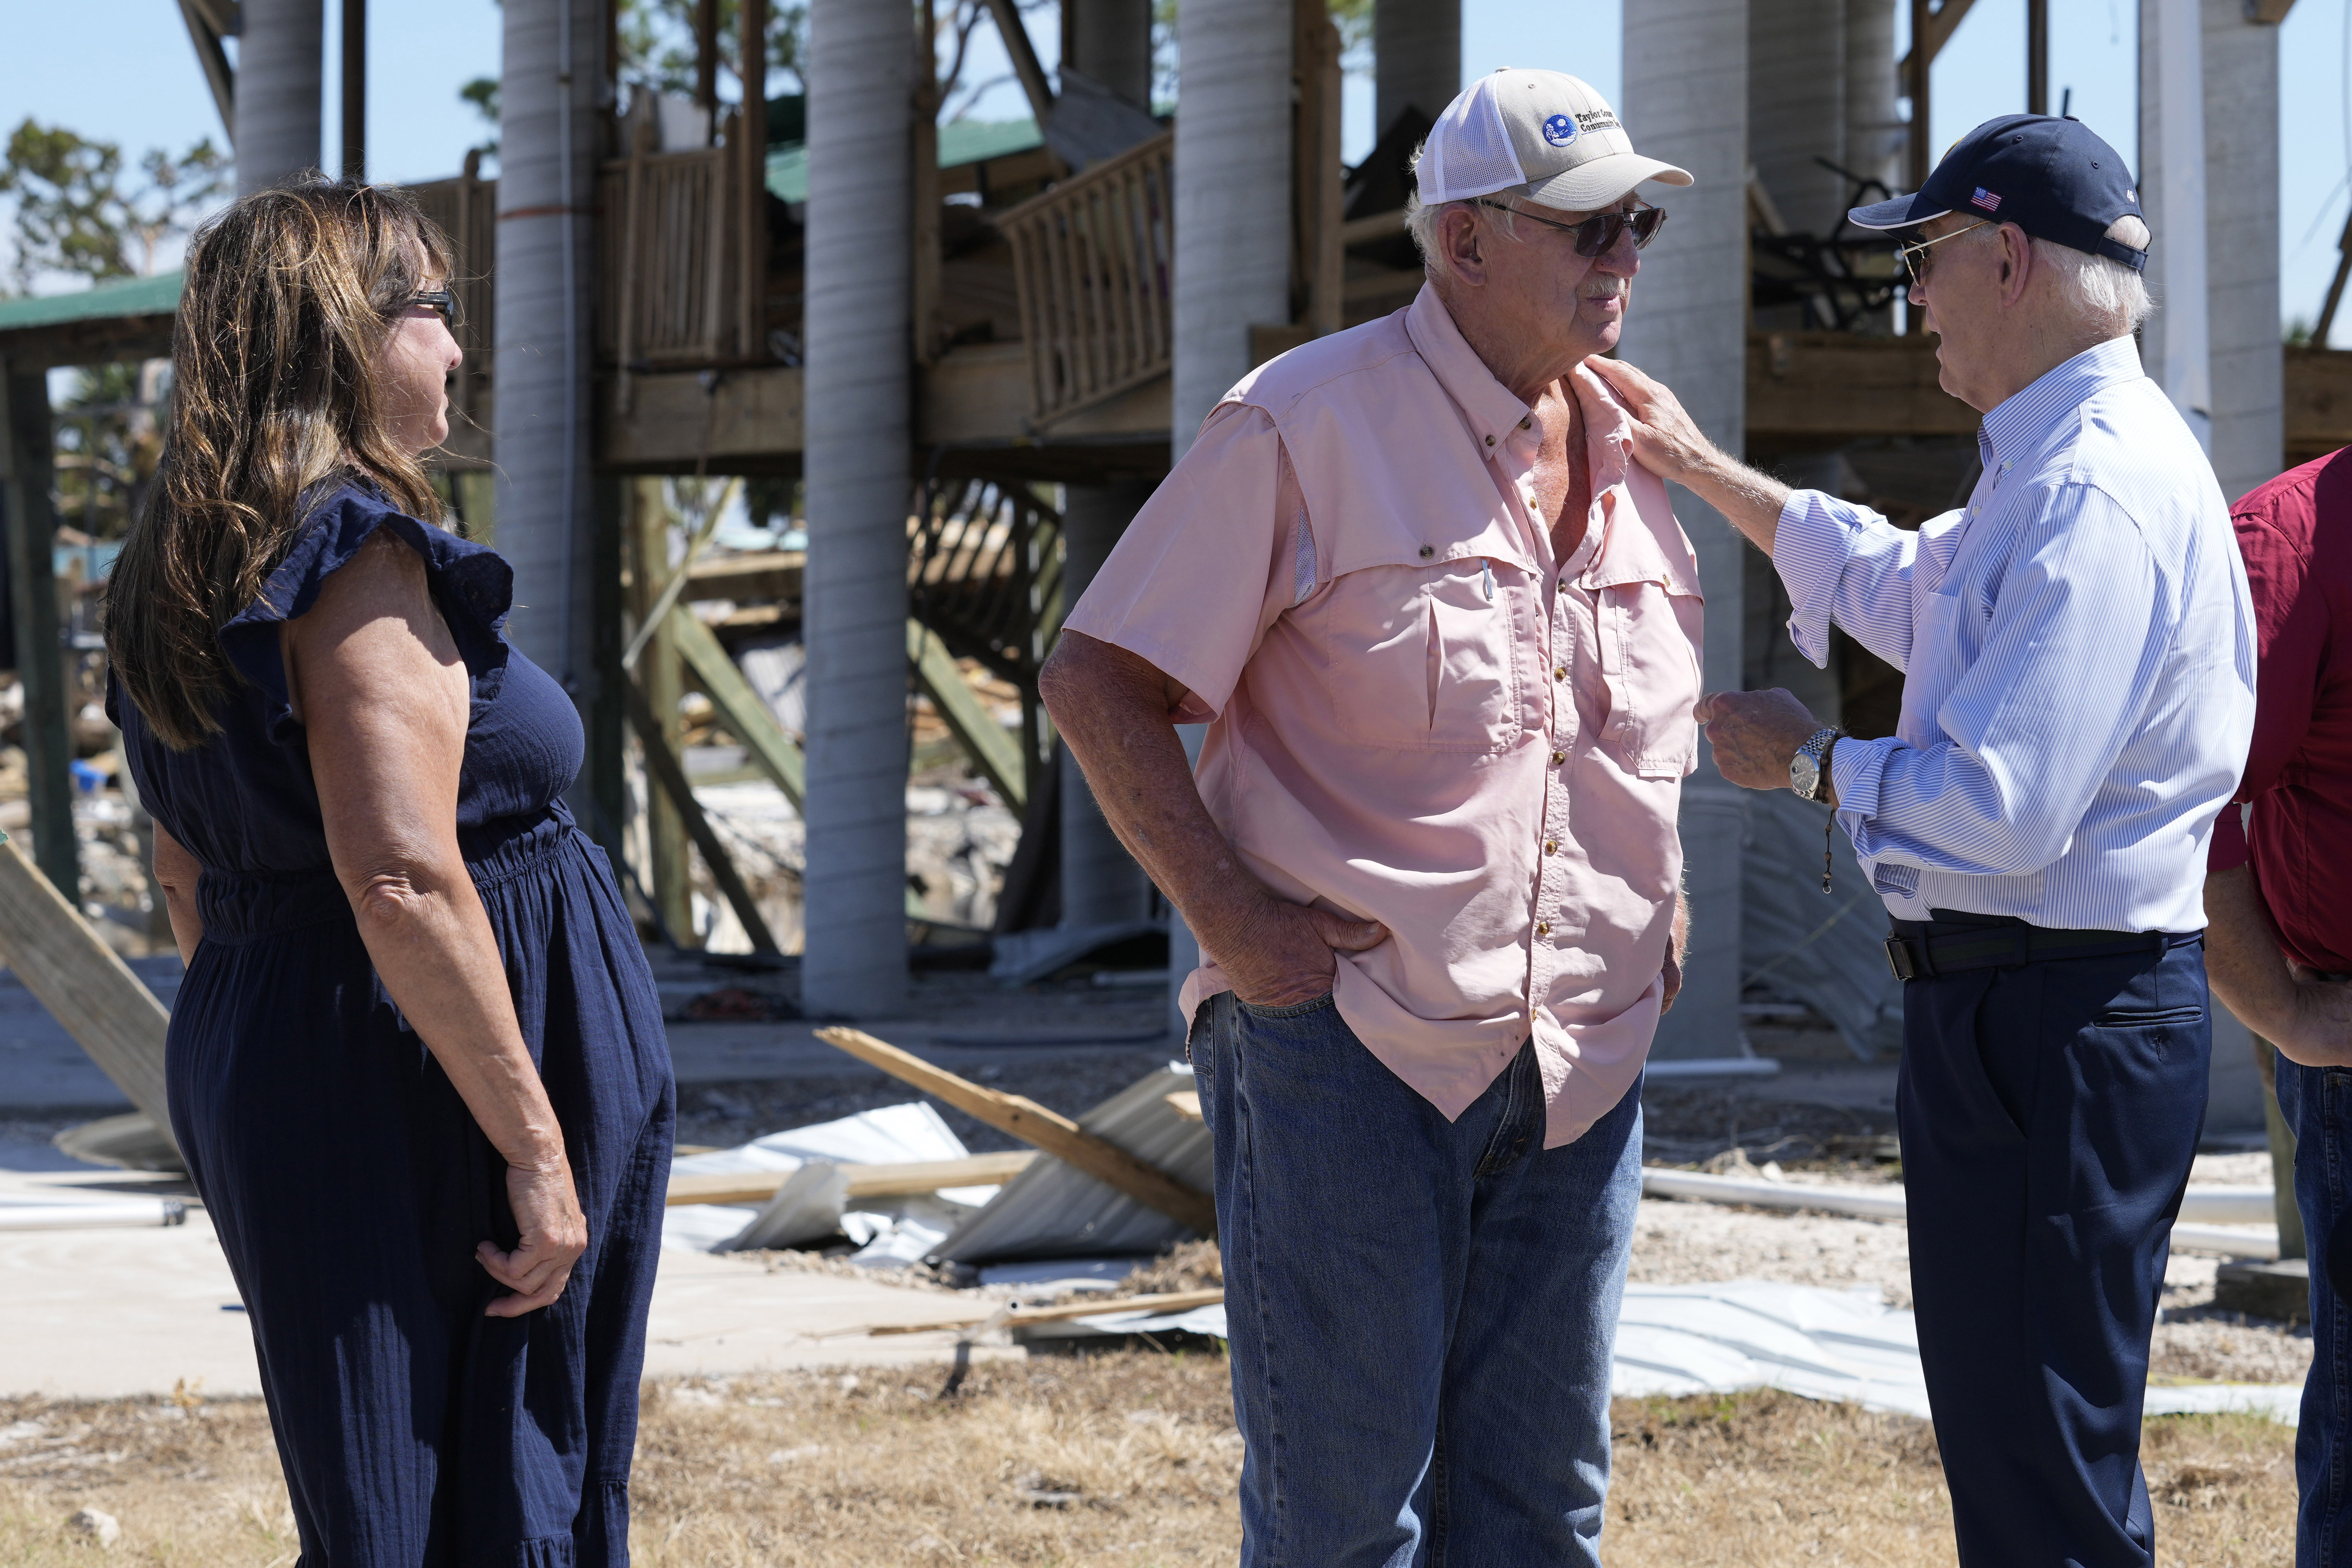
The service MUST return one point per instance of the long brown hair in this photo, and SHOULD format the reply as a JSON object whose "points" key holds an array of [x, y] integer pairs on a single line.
{"points": [[287, 303]]}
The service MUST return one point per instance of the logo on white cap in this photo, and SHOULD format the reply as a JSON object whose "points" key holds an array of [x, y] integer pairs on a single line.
{"points": [[1559, 131]]}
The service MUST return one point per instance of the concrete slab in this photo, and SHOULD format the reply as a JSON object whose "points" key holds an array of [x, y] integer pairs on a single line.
{"points": [[104, 1314]]}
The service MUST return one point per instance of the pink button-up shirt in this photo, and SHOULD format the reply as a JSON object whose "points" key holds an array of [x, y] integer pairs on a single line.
{"points": [[1420, 717]]}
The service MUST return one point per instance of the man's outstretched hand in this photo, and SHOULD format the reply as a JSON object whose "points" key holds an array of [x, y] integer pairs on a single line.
{"points": [[1283, 954], [1756, 735]]}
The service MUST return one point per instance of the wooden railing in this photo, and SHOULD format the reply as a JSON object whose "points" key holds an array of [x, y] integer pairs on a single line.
{"points": [[683, 250], [1092, 258], [466, 209]]}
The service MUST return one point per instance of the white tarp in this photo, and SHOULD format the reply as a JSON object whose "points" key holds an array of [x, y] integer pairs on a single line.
{"points": [[1843, 1345], [813, 1202]]}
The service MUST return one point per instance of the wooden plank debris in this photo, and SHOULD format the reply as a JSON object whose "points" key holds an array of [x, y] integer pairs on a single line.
{"points": [[1032, 1123], [984, 740], [665, 768], [70, 970], [910, 1179], [1168, 1301], [1186, 1103]]}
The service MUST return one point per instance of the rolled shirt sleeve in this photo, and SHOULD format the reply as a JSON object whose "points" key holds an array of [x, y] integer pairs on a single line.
{"points": [[1847, 564], [2034, 726], [1207, 563]]}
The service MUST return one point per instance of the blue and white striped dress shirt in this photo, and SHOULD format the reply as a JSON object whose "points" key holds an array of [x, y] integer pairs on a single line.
{"points": [[2078, 656]]}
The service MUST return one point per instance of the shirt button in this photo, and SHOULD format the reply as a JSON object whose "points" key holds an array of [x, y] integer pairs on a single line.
{"points": [[1559, 672], [1558, 757], [1427, 551], [1490, 441], [1551, 846], [1543, 928], [1523, 424]]}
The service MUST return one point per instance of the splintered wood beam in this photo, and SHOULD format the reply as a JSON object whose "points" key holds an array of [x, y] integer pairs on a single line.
{"points": [[740, 708], [1941, 24], [912, 1179], [1024, 56], [89, 990], [1101, 1306], [666, 768], [991, 751], [1032, 1123]]}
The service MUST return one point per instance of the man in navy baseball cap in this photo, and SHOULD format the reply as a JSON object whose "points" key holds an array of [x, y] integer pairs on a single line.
{"points": [[2077, 647], [2053, 178]]}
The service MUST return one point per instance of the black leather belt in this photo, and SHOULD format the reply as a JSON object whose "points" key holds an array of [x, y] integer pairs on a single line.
{"points": [[1920, 957]]}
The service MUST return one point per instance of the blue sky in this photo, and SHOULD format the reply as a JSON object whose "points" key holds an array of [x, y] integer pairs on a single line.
{"points": [[140, 85]]}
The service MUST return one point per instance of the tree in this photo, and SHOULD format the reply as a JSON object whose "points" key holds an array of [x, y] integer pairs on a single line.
{"points": [[76, 214]]}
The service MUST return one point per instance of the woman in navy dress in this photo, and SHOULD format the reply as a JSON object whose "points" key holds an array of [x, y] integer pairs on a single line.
{"points": [[418, 1066]]}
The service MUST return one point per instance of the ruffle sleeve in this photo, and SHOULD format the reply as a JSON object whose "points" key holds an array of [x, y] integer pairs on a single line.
{"points": [[471, 584]]}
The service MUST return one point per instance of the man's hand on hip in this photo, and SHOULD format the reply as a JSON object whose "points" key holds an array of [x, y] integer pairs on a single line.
{"points": [[1756, 735], [1283, 954]]}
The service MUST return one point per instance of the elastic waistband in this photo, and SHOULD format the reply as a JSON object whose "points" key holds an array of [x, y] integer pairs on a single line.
{"points": [[244, 906]]}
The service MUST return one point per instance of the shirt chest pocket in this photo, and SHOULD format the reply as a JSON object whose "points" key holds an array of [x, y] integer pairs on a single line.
{"points": [[1425, 657], [1649, 638]]}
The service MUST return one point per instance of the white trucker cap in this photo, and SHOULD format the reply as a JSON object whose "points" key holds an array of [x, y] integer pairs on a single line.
{"points": [[1538, 134]]}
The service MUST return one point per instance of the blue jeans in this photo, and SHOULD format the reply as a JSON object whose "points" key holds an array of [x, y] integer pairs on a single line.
{"points": [[2317, 1104], [1421, 1311]]}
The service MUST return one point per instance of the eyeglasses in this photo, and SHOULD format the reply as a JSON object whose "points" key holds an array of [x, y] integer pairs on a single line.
{"points": [[1595, 234], [441, 301], [1916, 256]]}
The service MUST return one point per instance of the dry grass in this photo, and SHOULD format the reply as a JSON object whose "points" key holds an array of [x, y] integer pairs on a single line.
{"points": [[1126, 1459]]}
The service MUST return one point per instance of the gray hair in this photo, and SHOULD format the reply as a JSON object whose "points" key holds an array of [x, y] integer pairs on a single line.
{"points": [[1422, 220], [2101, 294]]}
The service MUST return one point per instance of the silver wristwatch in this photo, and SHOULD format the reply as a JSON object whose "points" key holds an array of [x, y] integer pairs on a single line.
{"points": [[1811, 764]]}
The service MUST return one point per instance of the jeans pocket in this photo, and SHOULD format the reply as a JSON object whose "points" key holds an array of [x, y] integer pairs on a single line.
{"points": [[1291, 1010]]}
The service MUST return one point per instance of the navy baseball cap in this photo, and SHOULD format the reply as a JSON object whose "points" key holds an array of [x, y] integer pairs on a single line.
{"points": [[2053, 178]]}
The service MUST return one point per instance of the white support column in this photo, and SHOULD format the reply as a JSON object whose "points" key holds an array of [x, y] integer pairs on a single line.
{"points": [[2177, 345], [1686, 101], [1874, 133], [545, 284], [1417, 58], [1110, 41], [1233, 227], [1796, 107], [280, 56], [2241, 249], [859, 403]]}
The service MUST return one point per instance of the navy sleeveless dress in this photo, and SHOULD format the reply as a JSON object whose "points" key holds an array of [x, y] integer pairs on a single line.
{"points": [[348, 1181]]}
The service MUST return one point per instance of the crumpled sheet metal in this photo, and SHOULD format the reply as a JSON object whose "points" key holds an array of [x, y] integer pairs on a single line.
{"points": [[1679, 1339], [1052, 1211]]}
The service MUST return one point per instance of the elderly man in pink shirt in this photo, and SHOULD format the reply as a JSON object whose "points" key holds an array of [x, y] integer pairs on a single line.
{"points": [[1446, 635]]}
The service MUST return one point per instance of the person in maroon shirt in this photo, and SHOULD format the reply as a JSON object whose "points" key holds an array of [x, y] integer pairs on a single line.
{"points": [[2278, 948]]}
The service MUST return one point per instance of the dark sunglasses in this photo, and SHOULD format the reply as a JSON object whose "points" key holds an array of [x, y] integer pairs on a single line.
{"points": [[441, 301], [1595, 234]]}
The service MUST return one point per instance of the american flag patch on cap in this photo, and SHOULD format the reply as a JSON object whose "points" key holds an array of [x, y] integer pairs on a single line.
{"points": [[1986, 199]]}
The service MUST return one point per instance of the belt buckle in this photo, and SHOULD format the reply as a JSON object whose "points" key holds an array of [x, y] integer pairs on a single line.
{"points": [[1899, 958]]}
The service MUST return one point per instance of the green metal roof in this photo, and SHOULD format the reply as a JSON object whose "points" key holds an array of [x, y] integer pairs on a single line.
{"points": [[156, 296], [965, 142]]}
